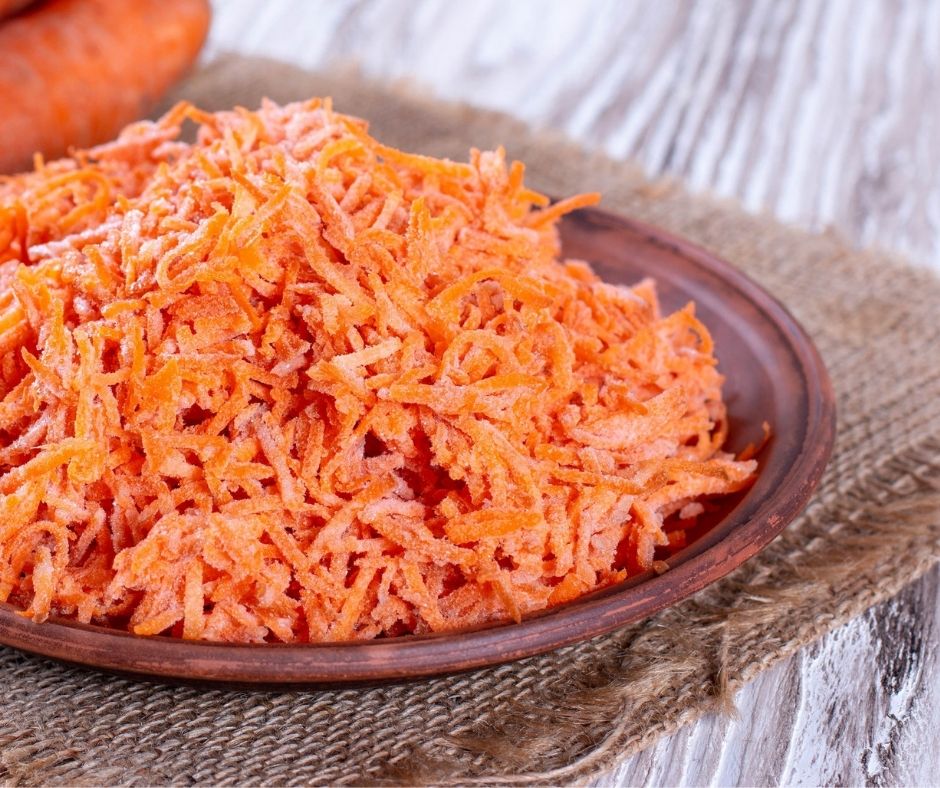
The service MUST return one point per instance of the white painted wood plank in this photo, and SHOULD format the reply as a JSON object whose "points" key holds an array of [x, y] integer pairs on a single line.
{"points": [[821, 113]]}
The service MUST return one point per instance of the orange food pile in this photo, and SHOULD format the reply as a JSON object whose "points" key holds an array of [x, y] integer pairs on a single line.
{"points": [[287, 383]]}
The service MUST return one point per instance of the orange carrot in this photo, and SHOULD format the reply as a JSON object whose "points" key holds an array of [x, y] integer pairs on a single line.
{"points": [[289, 384], [76, 71]]}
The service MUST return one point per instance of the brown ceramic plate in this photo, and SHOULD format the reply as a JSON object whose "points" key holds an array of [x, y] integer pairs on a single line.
{"points": [[773, 373]]}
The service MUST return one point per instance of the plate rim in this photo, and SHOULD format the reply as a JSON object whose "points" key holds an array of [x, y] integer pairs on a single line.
{"points": [[412, 657]]}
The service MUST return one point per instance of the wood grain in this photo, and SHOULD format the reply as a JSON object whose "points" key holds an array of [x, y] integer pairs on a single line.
{"points": [[819, 113]]}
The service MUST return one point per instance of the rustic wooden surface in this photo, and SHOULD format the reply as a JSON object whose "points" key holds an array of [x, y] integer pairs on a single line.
{"points": [[821, 113]]}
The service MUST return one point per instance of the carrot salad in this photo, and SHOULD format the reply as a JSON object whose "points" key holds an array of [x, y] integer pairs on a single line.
{"points": [[286, 383]]}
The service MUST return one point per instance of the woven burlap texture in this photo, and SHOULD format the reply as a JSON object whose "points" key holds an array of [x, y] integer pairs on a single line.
{"points": [[873, 526]]}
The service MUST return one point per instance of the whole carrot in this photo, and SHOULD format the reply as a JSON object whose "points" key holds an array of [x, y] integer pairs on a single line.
{"points": [[74, 72]]}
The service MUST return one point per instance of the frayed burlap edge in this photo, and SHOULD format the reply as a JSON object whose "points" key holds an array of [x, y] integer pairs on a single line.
{"points": [[873, 527]]}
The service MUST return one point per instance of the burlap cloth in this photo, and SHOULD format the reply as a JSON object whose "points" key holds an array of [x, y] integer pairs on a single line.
{"points": [[873, 527]]}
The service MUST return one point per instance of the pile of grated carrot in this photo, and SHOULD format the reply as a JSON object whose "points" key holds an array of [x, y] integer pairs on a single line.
{"points": [[289, 384]]}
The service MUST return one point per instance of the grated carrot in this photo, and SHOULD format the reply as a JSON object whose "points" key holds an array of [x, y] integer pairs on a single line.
{"points": [[289, 384]]}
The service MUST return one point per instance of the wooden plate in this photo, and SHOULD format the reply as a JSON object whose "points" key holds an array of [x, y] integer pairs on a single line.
{"points": [[773, 373]]}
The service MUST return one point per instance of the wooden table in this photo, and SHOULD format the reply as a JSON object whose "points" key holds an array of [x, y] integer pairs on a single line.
{"points": [[821, 113]]}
